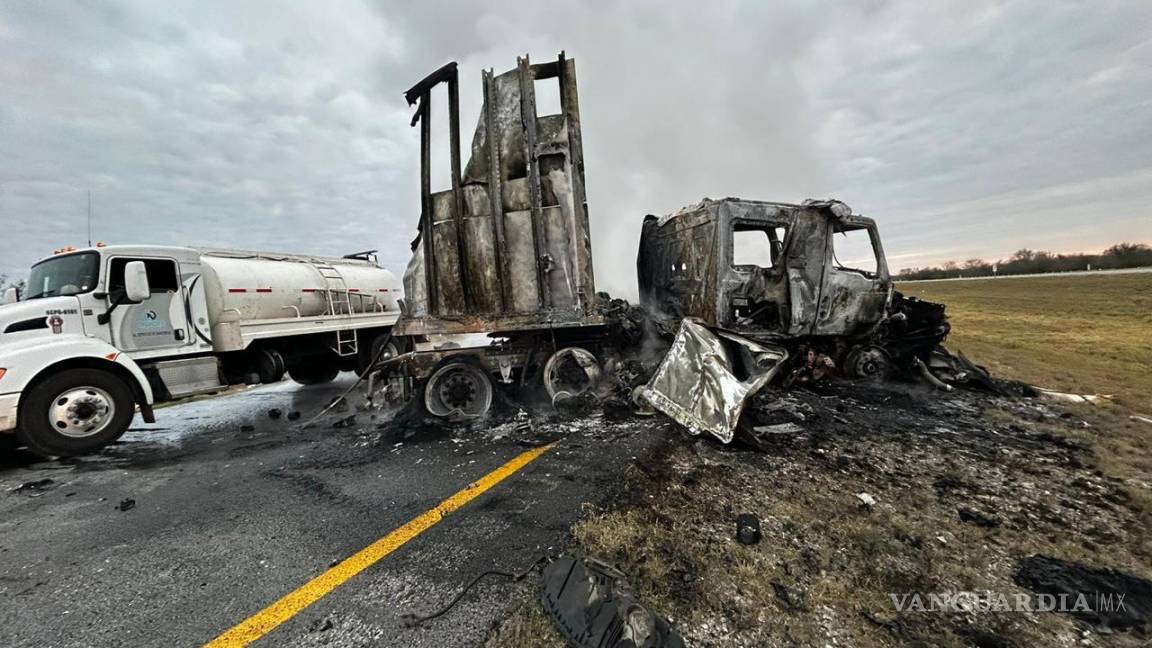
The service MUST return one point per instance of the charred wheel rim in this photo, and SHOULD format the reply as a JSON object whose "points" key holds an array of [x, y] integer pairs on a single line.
{"points": [[571, 371], [869, 362], [81, 412], [458, 391]]}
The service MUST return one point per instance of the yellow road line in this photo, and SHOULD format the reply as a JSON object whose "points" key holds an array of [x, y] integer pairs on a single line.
{"points": [[269, 618]]}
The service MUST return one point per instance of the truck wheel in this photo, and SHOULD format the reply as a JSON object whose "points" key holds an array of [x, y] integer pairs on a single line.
{"points": [[270, 365], [458, 391], [571, 371], [383, 348], [869, 363], [75, 412], [314, 374]]}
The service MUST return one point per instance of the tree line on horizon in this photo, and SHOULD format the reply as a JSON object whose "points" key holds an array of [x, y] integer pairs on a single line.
{"points": [[1025, 261]]}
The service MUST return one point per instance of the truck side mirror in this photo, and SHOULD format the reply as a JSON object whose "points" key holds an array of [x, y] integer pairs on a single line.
{"points": [[12, 295], [136, 287]]}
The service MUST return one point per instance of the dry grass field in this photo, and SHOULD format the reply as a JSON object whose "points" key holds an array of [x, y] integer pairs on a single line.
{"points": [[1090, 334]]}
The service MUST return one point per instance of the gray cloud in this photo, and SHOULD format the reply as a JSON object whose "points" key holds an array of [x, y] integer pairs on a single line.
{"points": [[967, 129]]}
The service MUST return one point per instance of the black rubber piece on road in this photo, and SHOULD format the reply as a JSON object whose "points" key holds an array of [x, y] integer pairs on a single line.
{"points": [[748, 529], [314, 374], [40, 437], [592, 605]]}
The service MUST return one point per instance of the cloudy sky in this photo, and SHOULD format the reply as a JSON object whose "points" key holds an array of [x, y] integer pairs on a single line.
{"points": [[966, 128]]}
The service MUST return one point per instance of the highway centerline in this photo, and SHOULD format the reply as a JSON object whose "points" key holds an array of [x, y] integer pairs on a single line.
{"points": [[266, 620]]}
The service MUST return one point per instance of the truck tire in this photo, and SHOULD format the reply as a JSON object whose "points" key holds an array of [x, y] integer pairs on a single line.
{"points": [[458, 391], [314, 374], [75, 412], [384, 347]]}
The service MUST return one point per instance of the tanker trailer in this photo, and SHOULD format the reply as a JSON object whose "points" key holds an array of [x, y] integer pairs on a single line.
{"points": [[104, 330]]}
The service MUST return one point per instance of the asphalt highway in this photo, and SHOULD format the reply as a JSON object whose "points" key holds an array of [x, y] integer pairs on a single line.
{"points": [[189, 527]]}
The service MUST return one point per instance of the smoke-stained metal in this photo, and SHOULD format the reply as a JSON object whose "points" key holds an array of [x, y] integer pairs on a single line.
{"points": [[686, 268], [707, 376], [508, 246]]}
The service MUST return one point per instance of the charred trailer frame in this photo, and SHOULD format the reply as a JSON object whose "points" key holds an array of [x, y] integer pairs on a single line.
{"points": [[507, 248], [686, 268], [505, 253]]}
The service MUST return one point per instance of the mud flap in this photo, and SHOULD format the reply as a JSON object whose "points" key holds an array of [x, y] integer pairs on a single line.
{"points": [[592, 605]]}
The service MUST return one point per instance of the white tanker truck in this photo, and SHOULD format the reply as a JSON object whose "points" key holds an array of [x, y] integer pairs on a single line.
{"points": [[103, 330]]}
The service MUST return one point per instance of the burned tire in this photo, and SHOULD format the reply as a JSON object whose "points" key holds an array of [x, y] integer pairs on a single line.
{"points": [[75, 412], [458, 391], [314, 374]]}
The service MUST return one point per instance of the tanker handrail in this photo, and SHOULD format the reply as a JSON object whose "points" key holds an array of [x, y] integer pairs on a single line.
{"points": [[284, 256]]}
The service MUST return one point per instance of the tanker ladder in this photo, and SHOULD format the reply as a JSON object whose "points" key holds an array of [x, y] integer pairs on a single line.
{"points": [[339, 302]]}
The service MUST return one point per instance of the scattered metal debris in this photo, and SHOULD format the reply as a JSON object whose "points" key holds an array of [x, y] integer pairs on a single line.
{"points": [[866, 500], [593, 606], [815, 367], [1064, 397], [347, 421], [779, 428], [973, 516], [35, 487], [788, 597], [126, 504]]}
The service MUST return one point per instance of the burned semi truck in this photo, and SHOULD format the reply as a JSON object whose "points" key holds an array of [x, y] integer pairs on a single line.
{"points": [[793, 287], [500, 286]]}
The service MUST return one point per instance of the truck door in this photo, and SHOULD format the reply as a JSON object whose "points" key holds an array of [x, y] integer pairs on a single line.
{"points": [[805, 261], [856, 282], [158, 322]]}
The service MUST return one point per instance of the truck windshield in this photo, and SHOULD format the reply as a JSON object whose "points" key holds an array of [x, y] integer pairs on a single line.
{"points": [[63, 275]]}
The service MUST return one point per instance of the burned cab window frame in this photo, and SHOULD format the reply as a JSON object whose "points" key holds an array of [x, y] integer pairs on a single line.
{"points": [[842, 233], [774, 248]]}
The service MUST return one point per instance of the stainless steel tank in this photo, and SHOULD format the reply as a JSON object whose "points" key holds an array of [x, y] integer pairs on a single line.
{"points": [[258, 285]]}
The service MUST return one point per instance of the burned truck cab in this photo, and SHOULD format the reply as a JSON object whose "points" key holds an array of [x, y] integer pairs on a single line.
{"points": [[766, 270]]}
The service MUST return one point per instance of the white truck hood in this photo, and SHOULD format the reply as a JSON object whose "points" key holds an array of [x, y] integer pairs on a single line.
{"points": [[47, 316]]}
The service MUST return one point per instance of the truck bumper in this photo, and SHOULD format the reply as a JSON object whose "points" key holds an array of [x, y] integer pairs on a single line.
{"points": [[8, 403]]}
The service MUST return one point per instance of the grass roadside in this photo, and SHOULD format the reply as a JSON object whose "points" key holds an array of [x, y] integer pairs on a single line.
{"points": [[1089, 334], [1076, 488]]}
